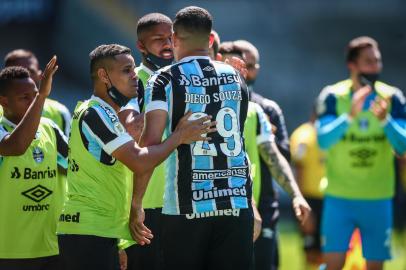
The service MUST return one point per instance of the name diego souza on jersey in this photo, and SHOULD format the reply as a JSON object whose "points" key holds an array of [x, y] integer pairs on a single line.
{"points": [[216, 97], [216, 174]]}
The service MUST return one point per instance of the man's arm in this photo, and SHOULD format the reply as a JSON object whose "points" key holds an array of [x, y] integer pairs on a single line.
{"points": [[282, 173], [17, 142], [394, 122]]}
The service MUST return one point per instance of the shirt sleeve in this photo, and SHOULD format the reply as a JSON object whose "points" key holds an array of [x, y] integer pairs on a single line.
{"points": [[132, 105], [275, 115], [102, 124], [156, 93], [3, 133], [330, 127], [395, 126], [61, 145], [264, 127]]}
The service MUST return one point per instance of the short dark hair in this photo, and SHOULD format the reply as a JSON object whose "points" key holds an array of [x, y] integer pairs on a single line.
{"points": [[194, 20], [102, 53], [355, 46], [9, 74], [15, 55], [149, 20], [228, 47]]}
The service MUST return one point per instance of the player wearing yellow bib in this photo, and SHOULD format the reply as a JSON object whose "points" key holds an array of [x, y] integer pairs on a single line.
{"points": [[154, 32], [361, 123], [97, 208], [30, 193], [308, 161], [53, 110]]}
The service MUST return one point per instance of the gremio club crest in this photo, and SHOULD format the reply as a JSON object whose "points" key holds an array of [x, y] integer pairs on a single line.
{"points": [[38, 155]]}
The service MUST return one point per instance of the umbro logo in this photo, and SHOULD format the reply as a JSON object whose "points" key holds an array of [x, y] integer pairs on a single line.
{"points": [[37, 193], [208, 68]]}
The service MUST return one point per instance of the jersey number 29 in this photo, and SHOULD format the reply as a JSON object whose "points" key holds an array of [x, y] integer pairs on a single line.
{"points": [[209, 149]]}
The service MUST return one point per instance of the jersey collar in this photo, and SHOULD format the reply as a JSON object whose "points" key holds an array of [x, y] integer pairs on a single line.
{"points": [[189, 58], [146, 69], [102, 102]]}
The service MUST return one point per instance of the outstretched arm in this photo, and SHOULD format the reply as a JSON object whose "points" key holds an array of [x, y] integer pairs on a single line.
{"points": [[17, 142]]}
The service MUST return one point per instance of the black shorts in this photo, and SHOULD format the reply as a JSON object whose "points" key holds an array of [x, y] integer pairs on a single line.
{"points": [[88, 252], [200, 242], [266, 252], [147, 257], [42, 263], [313, 241]]}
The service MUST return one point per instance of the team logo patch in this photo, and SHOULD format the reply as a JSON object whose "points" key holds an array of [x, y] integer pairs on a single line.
{"points": [[363, 124], [38, 155], [118, 127], [37, 193]]}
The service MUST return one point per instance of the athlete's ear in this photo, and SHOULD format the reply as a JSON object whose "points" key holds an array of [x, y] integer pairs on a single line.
{"points": [[102, 74], [219, 57], [211, 40], [141, 47]]}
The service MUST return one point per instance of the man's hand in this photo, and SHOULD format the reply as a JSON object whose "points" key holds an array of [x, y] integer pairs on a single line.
{"points": [[257, 223], [380, 108], [239, 65], [46, 81], [195, 130], [122, 256], [358, 100], [133, 123], [301, 209], [139, 232]]}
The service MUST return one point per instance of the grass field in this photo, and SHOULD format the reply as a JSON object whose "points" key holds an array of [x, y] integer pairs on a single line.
{"points": [[292, 258]]}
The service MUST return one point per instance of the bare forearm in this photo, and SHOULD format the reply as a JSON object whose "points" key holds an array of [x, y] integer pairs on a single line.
{"points": [[279, 168], [21, 137], [140, 183]]}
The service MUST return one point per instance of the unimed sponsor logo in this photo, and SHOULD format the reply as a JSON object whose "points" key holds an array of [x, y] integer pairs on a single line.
{"points": [[217, 213], [70, 217], [201, 194]]}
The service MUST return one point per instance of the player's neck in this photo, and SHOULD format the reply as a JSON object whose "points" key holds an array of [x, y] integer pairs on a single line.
{"points": [[194, 52], [356, 84], [103, 95]]}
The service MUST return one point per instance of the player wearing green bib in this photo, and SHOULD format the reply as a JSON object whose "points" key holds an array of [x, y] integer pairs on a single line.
{"points": [[154, 31], [30, 151], [53, 110], [361, 123], [101, 154]]}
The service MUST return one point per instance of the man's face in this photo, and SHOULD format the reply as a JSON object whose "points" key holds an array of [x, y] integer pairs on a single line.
{"points": [[369, 61], [252, 65], [18, 98], [122, 75], [32, 65], [157, 40]]}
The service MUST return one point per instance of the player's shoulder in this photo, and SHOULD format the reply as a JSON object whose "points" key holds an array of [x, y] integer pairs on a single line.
{"points": [[56, 105], [267, 104], [389, 91], [97, 110], [337, 89]]}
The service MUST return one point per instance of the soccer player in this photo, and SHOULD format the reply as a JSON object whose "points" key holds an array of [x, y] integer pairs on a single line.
{"points": [[309, 163], [102, 154], [208, 186], [154, 32], [31, 148], [361, 122], [267, 205], [53, 110]]}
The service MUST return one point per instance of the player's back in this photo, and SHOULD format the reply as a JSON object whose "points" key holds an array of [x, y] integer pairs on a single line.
{"points": [[213, 175]]}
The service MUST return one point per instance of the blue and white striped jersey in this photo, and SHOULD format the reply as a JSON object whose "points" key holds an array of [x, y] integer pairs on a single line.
{"points": [[204, 176]]}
